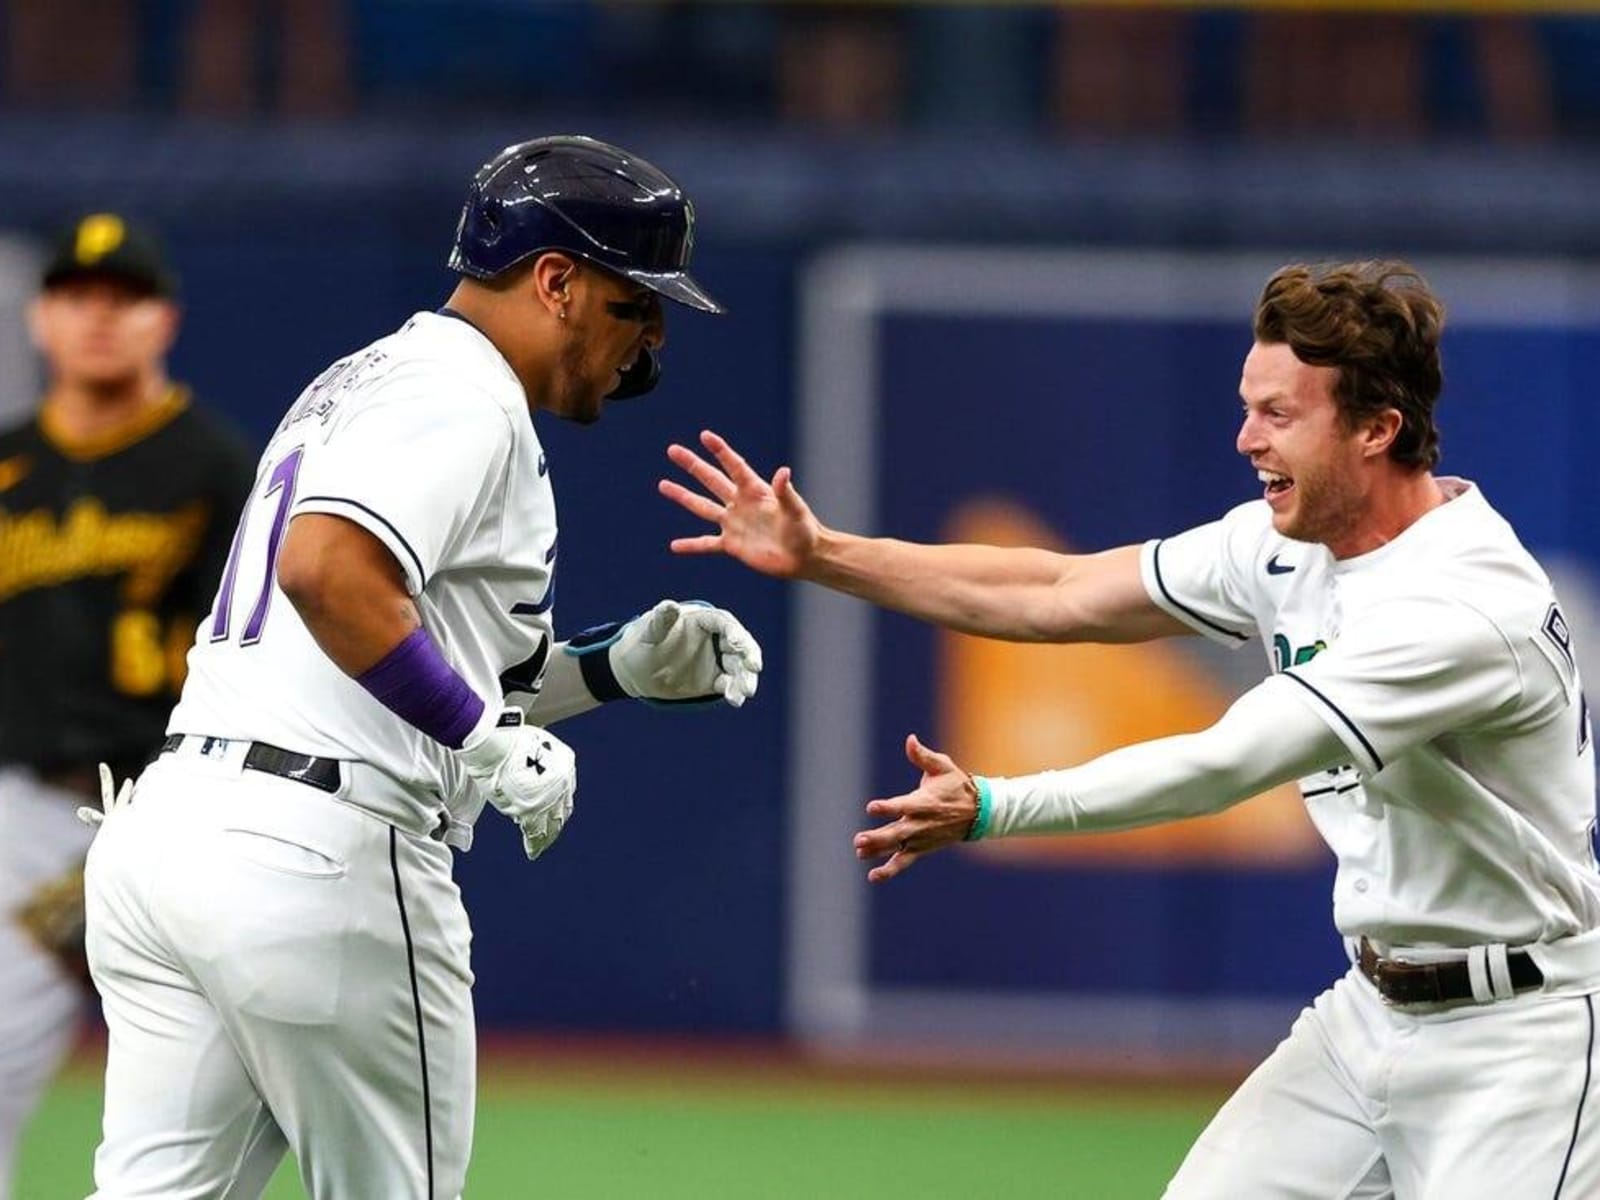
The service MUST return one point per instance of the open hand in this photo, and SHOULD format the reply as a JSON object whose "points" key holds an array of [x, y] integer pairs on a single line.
{"points": [[938, 814], [766, 526]]}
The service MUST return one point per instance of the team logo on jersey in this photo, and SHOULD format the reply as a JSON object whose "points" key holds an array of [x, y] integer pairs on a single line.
{"points": [[537, 608], [1286, 656], [147, 549], [1274, 567], [13, 471], [1555, 628], [1335, 781], [528, 675]]}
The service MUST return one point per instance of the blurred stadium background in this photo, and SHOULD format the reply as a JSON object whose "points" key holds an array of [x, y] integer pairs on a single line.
{"points": [[989, 269]]}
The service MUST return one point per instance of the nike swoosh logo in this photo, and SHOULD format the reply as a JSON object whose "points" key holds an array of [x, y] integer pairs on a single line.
{"points": [[1274, 567], [13, 471]]}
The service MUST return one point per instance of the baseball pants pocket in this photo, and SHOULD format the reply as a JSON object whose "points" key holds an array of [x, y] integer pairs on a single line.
{"points": [[260, 932], [277, 853]]}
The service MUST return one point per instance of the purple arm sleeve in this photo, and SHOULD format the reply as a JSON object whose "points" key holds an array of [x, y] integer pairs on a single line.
{"points": [[414, 682]]}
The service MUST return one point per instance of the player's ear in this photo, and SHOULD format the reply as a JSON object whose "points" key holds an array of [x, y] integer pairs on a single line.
{"points": [[552, 277], [171, 318], [1381, 431]]}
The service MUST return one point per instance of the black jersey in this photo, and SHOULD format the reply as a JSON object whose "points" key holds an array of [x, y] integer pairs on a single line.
{"points": [[110, 552]]}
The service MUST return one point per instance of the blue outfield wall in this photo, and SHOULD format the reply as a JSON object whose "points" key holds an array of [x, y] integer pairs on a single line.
{"points": [[664, 906]]}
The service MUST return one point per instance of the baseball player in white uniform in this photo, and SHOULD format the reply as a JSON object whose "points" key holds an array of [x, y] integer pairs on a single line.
{"points": [[273, 926], [1424, 694]]}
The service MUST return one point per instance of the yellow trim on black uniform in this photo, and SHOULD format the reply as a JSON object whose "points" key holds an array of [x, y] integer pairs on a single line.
{"points": [[138, 427]]}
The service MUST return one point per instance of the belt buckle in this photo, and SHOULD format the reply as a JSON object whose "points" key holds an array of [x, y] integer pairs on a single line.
{"points": [[1378, 969], [1369, 964]]}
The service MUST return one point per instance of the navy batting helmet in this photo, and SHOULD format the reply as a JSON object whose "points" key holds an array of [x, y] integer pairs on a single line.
{"points": [[585, 198]]}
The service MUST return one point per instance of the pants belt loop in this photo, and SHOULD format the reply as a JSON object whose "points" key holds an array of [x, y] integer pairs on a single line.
{"points": [[1478, 974], [1500, 972], [1352, 950]]}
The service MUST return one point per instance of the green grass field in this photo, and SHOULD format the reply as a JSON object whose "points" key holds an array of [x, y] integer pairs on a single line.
{"points": [[613, 1131]]}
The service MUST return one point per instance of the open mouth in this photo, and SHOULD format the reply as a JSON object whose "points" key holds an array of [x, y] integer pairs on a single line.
{"points": [[627, 365], [1277, 483]]}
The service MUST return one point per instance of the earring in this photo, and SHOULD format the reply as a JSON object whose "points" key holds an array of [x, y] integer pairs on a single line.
{"points": [[563, 314]]}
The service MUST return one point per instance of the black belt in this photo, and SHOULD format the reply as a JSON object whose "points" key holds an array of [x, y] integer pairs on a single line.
{"points": [[1438, 983], [320, 773]]}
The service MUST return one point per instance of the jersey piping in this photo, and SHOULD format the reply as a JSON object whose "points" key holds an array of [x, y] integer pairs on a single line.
{"points": [[1577, 1118], [416, 561], [1155, 562], [416, 1005], [1355, 730]]}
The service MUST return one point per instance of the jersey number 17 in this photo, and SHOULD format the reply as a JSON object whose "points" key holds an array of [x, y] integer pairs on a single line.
{"points": [[281, 480]]}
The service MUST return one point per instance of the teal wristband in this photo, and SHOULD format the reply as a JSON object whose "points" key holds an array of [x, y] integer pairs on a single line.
{"points": [[980, 823]]}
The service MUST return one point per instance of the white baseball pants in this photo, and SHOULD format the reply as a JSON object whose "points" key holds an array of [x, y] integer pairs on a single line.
{"points": [[1367, 1102], [41, 839], [278, 970]]}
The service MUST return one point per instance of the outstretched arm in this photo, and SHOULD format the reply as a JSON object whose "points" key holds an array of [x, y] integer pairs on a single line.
{"points": [[1019, 594], [1269, 736]]}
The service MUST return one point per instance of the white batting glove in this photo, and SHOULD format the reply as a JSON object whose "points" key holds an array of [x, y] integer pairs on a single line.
{"points": [[527, 773], [112, 799], [678, 653]]}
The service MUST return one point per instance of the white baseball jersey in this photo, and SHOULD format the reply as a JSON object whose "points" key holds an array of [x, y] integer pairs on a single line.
{"points": [[424, 439], [1444, 664]]}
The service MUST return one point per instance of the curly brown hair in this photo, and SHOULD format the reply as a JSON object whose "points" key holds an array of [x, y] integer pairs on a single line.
{"points": [[1379, 324]]}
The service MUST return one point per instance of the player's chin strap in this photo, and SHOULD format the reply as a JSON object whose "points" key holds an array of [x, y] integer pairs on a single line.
{"points": [[639, 378]]}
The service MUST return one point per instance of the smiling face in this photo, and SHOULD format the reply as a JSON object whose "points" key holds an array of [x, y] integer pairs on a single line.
{"points": [[609, 322], [1314, 469]]}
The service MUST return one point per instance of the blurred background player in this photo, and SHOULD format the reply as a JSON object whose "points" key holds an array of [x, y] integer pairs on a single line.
{"points": [[117, 501]]}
